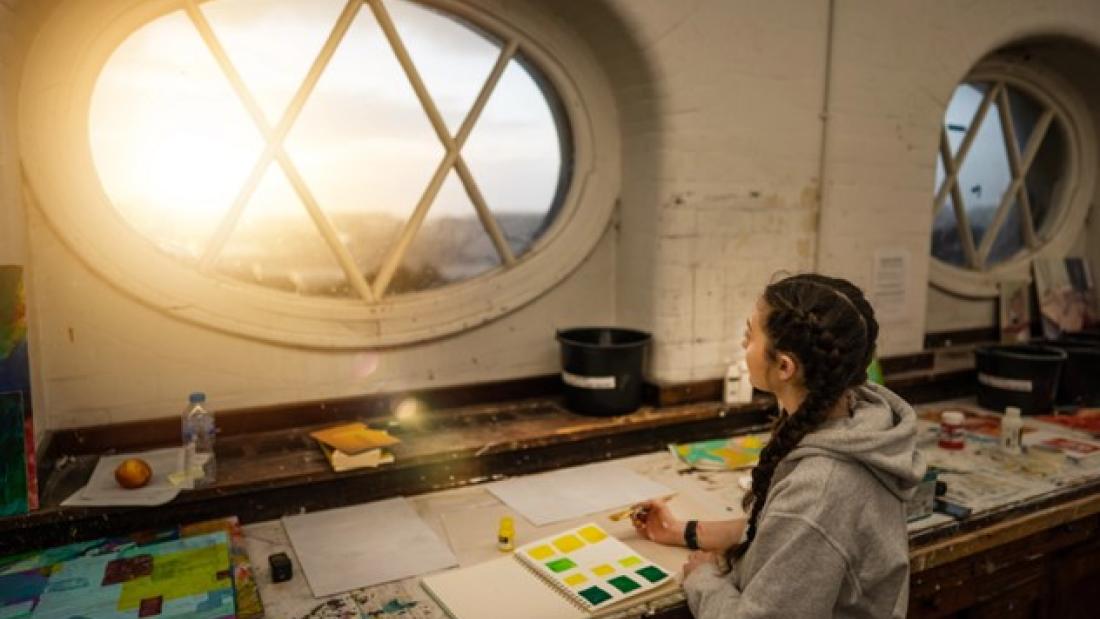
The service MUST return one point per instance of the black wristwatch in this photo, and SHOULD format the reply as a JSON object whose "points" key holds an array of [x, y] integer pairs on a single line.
{"points": [[691, 535]]}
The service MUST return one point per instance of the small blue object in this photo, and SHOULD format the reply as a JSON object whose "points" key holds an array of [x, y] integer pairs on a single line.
{"points": [[197, 397]]}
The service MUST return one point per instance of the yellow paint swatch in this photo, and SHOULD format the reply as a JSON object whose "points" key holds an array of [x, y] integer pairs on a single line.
{"points": [[629, 561], [179, 574], [567, 543], [538, 553], [592, 534], [575, 579], [603, 570]]}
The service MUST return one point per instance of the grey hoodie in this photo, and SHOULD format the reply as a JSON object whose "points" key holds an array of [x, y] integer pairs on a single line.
{"points": [[831, 541]]}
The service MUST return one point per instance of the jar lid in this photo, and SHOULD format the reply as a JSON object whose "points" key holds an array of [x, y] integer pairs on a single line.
{"points": [[954, 418]]}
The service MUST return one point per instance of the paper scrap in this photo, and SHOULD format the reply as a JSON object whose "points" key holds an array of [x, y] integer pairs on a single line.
{"points": [[574, 492], [363, 545], [102, 490]]}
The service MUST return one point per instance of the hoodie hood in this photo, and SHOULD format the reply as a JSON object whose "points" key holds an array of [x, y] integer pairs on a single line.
{"points": [[881, 435]]}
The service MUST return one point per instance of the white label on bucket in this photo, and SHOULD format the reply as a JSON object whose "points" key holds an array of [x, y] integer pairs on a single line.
{"points": [[588, 382], [1008, 384]]}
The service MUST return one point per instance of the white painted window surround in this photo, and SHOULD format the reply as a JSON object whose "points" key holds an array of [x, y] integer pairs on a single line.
{"points": [[1060, 113], [56, 96]]}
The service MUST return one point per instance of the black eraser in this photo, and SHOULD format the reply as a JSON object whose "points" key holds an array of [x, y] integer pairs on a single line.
{"points": [[281, 569]]}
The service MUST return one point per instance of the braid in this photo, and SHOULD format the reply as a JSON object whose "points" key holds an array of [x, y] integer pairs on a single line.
{"points": [[834, 343]]}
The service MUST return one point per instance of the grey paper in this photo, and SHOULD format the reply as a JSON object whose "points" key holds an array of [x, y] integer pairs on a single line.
{"points": [[102, 490], [574, 492], [363, 545]]}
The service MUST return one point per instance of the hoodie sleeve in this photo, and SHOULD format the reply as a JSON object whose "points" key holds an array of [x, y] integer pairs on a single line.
{"points": [[799, 575]]}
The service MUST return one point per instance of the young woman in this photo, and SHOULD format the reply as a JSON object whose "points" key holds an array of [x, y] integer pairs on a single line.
{"points": [[825, 535]]}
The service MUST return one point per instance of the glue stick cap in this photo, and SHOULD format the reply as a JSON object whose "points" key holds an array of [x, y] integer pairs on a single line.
{"points": [[506, 522], [1012, 411]]}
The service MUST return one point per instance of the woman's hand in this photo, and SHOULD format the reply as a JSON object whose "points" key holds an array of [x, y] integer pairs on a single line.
{"points": [[697, 558], [654, 521]]}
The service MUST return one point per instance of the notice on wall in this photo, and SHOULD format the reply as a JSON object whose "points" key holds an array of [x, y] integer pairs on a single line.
{"points": [[890, 289]]}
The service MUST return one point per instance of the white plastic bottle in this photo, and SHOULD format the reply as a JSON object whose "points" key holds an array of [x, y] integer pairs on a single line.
{"points": [[736, 387], [198, 442], [1012, 428], [744, 388], [731, 385]]}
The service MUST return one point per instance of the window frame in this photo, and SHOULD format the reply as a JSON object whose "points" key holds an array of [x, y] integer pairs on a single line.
{"points": [[1070, 205], [60, 74]]}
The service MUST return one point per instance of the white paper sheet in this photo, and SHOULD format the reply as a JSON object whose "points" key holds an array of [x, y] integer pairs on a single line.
{"points": [[363, 545], [102, 490], [574, 492]]}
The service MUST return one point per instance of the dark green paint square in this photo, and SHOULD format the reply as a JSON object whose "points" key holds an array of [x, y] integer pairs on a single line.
{"points": [[652, 573], [560, 565], [595, 595], [624, 583]]}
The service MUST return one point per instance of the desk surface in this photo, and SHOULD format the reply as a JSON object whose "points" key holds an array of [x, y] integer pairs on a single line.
{"points": [[1055, 496]]}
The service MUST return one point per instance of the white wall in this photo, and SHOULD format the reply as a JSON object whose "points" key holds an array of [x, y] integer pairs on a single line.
{"points": [[720, 108]]}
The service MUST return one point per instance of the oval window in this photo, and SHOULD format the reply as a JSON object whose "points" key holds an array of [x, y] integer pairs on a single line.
{"points": [[329, 149], [1005, 180]]}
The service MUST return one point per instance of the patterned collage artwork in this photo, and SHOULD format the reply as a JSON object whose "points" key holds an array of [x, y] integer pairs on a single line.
{"points": [[593, 568], [199, 570], [18, 486], [738, 452]]}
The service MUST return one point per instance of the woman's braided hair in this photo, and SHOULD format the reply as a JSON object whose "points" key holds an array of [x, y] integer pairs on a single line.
{"points": [[829, 327]]}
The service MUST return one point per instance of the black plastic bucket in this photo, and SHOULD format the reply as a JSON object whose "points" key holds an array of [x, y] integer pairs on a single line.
{"points": [[1079, 384], [602, 369], [1019, 375]]}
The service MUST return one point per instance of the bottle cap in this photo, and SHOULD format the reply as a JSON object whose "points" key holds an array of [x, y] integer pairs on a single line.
{"points": [[952, 417], [1012, 411], [506, 522], [197, 397]]}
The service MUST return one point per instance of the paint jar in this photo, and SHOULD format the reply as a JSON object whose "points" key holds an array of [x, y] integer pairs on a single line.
{"points": [[506, 534], [952, 435]]}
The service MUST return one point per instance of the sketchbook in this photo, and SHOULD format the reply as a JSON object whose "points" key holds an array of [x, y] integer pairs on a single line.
{"points": [[581, 572]]}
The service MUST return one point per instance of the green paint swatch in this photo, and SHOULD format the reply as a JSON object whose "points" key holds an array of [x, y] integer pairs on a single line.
{"points": [[560, 565], [624, 583], [596, 595], [652, 573]]}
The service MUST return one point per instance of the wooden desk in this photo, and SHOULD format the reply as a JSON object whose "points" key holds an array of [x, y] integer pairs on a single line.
{"points": [[1020, 556], [1002, 561]]}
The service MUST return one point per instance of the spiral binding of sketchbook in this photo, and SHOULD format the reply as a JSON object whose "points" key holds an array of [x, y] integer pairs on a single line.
{"points": [[590, 567]]}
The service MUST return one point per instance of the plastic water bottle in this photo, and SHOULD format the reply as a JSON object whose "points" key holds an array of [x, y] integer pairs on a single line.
{"points": [[198, 442]]}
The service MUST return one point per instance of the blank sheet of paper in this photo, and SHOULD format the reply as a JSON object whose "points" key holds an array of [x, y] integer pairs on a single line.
{"points": [[573, 492], [363, 545], [103, 490]]}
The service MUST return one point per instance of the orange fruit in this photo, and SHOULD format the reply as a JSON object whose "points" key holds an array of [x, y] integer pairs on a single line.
{"points": [[133, 473]]}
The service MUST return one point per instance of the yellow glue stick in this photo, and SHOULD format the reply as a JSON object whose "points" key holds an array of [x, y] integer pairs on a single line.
{"points": [[506, 534]]}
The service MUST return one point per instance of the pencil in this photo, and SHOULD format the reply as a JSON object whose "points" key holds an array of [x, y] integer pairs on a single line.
{"points": [[619, 515]]}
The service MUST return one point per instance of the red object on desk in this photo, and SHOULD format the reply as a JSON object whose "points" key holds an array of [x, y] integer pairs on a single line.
{"points": [[952, 435]]}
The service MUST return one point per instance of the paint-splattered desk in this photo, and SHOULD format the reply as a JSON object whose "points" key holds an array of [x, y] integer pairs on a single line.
{"points": [[956, 565]]}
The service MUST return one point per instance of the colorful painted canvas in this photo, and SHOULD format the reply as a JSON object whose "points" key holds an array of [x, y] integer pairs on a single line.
{"points": [[195, 570], [722, 454], [18, 481], [592, 568]]}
